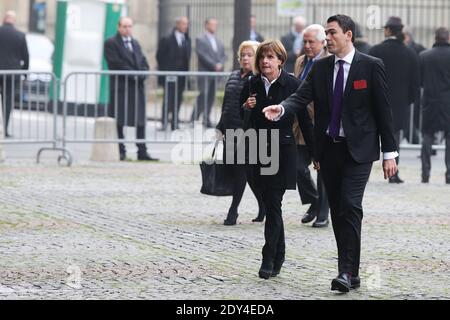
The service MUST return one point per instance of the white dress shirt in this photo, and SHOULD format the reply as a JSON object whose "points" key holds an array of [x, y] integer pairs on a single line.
{"points": [[212, 40], [128, 43], [267, 83], [180, 37]]}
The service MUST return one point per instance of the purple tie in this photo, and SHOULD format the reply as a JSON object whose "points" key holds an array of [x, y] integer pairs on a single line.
{"points": [[338, 94]]}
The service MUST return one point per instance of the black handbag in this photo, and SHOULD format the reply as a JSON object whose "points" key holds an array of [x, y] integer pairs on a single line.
{"points": [[217, 179]]}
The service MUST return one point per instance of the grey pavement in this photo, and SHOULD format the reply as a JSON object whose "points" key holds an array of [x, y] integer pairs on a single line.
{"points": [[134, 230]]}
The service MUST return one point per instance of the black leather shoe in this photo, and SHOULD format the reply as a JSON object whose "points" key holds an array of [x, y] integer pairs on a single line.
{"points": [[395, 179], [146, 157], [230, 220], [342, 283], [425, 179], [259, 218], [277, 267], [356, 282], [320, 223], [308, 217], [123, 156], [266, 270]]}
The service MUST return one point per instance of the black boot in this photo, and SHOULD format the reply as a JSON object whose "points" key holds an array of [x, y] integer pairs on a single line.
{"points": [[278, 263], [260, 217], [266, 269], [231, 218]]}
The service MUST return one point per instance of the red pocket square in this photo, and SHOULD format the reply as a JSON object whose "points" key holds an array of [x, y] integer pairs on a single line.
{"points": [[360, 84]]}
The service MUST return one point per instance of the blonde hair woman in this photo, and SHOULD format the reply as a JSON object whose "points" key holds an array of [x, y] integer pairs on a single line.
{"points": [[231, 119]]}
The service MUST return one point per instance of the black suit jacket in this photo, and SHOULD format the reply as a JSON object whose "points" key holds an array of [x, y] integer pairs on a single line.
{"points": [[254, 118], [13, 49], [172, 57], [131, 89], [366, 114], [402, 69]]}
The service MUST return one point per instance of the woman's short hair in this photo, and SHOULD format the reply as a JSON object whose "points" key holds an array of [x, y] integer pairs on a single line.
{"points": [[270, 45], [247, 44]]}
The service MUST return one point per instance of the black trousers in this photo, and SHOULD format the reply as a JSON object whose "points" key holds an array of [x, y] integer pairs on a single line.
{"points": [[173, 99], [397, 142], [427, 143], [274, 247], [9, 85], [241, 175], [345, 181], [205, 100], [306, 186], [140, 134]]}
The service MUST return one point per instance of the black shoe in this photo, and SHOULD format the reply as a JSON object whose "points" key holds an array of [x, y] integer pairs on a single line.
{"points": [[308, 217], [230, 220], [320, 223], [277, 267], [146, 157], [395, 179], [425, 179], [356, 282], [259, 218], [123, 156], [447, 181], [266, 270], [342, 283]]}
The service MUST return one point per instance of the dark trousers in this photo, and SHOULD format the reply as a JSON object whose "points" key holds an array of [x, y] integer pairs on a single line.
{"points": [[345, 181], [274, 247], [306, 186], [8, 86], [205, 100], [173, 97], [427, 143], [241, 175], [397, 135], [140, 134]]}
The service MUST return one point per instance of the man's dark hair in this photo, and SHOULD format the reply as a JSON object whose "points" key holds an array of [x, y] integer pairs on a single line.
{"points": [[442, 35], [345, 22]]}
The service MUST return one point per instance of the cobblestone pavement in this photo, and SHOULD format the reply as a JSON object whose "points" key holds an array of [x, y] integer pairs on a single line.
{"points": [[143, 231]]}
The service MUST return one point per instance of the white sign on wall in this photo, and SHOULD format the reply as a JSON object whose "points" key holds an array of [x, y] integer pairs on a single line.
{"points": [[291, 8]]}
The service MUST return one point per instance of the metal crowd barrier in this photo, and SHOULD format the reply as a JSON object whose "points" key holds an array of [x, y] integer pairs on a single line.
{"points": [[90, 95], [45, 111], [29, 113]]}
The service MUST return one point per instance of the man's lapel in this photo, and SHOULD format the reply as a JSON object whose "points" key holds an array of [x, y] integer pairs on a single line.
{"points": [[351, 75], [329, 79]]}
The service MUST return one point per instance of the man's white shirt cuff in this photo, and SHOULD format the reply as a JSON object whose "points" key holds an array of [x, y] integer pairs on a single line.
{"points": [[281, 114], [390, 155]]}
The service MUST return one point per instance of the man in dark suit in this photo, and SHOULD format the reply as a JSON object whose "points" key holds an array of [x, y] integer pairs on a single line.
{"points": [[352, 113], [435, 71], [174, 54], [402, 70], [293, 43], [127, 104], [254, 35], [211, 57], [13, 56], [361, 43]]}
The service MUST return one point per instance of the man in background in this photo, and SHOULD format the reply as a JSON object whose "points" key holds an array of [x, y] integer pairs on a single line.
{"points": [[174, 54], [13, 56]]}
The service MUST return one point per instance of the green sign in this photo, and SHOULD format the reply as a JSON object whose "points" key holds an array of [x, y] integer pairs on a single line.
{"points": [[291, 8]]}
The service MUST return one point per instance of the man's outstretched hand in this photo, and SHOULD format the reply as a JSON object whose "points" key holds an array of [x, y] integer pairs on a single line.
{"points": [[272, 112]]}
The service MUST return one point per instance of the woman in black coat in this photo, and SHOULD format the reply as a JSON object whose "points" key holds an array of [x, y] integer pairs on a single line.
{"points": [[272, 85], [231, 119]]}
